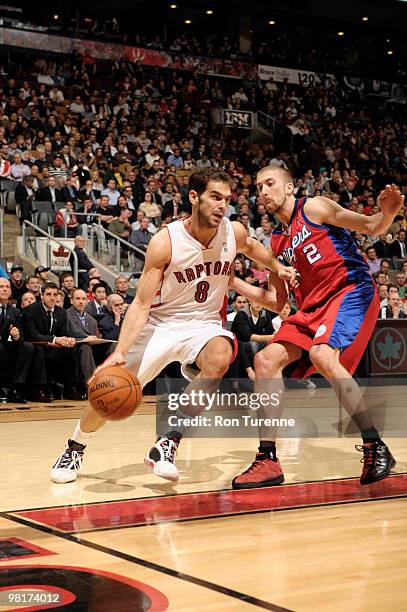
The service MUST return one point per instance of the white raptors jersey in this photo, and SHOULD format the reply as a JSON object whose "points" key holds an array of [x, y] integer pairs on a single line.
{"points": [[195, 282]]}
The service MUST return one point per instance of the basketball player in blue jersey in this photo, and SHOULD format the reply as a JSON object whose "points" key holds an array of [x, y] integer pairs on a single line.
{"points": [[175, 315]]}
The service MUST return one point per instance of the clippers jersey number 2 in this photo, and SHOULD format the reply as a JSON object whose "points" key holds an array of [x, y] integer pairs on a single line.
{"points": [[312, 253]]}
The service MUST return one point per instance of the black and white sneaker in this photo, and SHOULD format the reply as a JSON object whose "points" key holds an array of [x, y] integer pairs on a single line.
{"points": [[161, 459], [68, 464]]}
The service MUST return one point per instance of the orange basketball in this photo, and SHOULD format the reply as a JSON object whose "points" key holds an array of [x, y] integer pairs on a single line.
{"points": [[115, 393]]}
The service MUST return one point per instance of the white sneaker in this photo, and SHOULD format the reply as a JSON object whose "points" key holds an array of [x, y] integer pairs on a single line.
{"points": [[161, 458], [68, 464]]}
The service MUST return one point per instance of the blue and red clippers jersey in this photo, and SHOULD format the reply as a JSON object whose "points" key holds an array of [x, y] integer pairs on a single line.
{"points": [[326, 256]]}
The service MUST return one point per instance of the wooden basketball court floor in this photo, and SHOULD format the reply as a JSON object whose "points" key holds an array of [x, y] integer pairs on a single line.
{"points": [[120, 539]]}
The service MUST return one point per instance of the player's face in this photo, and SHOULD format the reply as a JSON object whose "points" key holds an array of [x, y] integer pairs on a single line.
{"points": [[211, 205], [273, 190]]}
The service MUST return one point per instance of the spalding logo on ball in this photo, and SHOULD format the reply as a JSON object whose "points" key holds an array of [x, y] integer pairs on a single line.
{"points": [[115, 393]]}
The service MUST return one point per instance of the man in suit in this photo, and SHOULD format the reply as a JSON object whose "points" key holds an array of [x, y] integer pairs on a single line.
{"points": [[382, 247], [50, 193], [15, 354], [399, 246], [89, 192], [111, 323], [82, 325], [84, 263], [97, 307], [69, 190], [46, 322], [24, 197], [253, 328]]}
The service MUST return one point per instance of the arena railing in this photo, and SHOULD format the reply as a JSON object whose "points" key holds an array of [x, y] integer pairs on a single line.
{"points": [[27, 242], [104, 243]]}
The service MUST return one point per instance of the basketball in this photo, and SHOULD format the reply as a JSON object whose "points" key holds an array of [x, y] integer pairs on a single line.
{"points": [[115, 393]]}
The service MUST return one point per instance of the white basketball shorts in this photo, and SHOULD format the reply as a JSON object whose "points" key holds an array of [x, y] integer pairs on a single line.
{"points": [[160, 344]]}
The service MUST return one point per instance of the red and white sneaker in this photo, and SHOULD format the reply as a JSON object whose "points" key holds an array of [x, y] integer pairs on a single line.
{"points": [[161, 459], [263, 472]]}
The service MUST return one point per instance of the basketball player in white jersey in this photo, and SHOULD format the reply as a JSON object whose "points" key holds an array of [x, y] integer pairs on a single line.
{"points": [[175, 315]]}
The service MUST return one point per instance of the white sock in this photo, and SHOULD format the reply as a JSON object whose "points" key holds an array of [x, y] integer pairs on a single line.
{"points": [[81, 437]]}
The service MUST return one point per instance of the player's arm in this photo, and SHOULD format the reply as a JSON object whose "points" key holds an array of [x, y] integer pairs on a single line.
{"points": [[158, 254], [322, 210], [272, 299], [253, 249]]}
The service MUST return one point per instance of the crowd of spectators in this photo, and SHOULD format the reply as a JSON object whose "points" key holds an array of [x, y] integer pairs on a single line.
{"points": [[52, 335], [307, 44], [122, 155]]}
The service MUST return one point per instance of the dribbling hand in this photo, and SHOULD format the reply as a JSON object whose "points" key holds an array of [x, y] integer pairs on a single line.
{"points": [[115, 359]]}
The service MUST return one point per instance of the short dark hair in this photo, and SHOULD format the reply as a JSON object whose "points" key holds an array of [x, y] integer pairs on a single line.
{"points": [[98, 286], [198, 181], [49, 286], [64, 276]]}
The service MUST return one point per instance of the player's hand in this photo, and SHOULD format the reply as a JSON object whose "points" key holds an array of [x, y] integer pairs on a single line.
{"points": [[290, 275], [390, 200], [115, 359]]}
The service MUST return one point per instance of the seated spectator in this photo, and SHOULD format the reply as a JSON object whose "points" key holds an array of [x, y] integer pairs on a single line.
{"points": [[284, 313], [392, 291], [81, 325], [66, 284], [173, 207], [17, 284], [141, 238], [382, 247], [393, 310], [111, 323], [253, 327], [372, 261], [69, 191], [15, 354], [97, 307], [136, 224], [50, 193], [89, 210], [60, 299], [18, 170], [84, 263], [121, 287], [398, 248], [401, 284], [121, 226], [111, 192], [27, 299], [24, 196], [42, 273], [239, 302], [45, 322], [149, 208], [89, 193], [96, 274], [33, 285], [385, 266], [66, 218], [383, 294]]}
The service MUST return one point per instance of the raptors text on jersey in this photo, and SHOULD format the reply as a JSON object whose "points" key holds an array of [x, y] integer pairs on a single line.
{"points": [[196, 279]]}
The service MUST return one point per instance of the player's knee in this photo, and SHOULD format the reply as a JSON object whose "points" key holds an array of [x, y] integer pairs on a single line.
{"points": [[269, 361], [217, 366], [323, 360]]}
